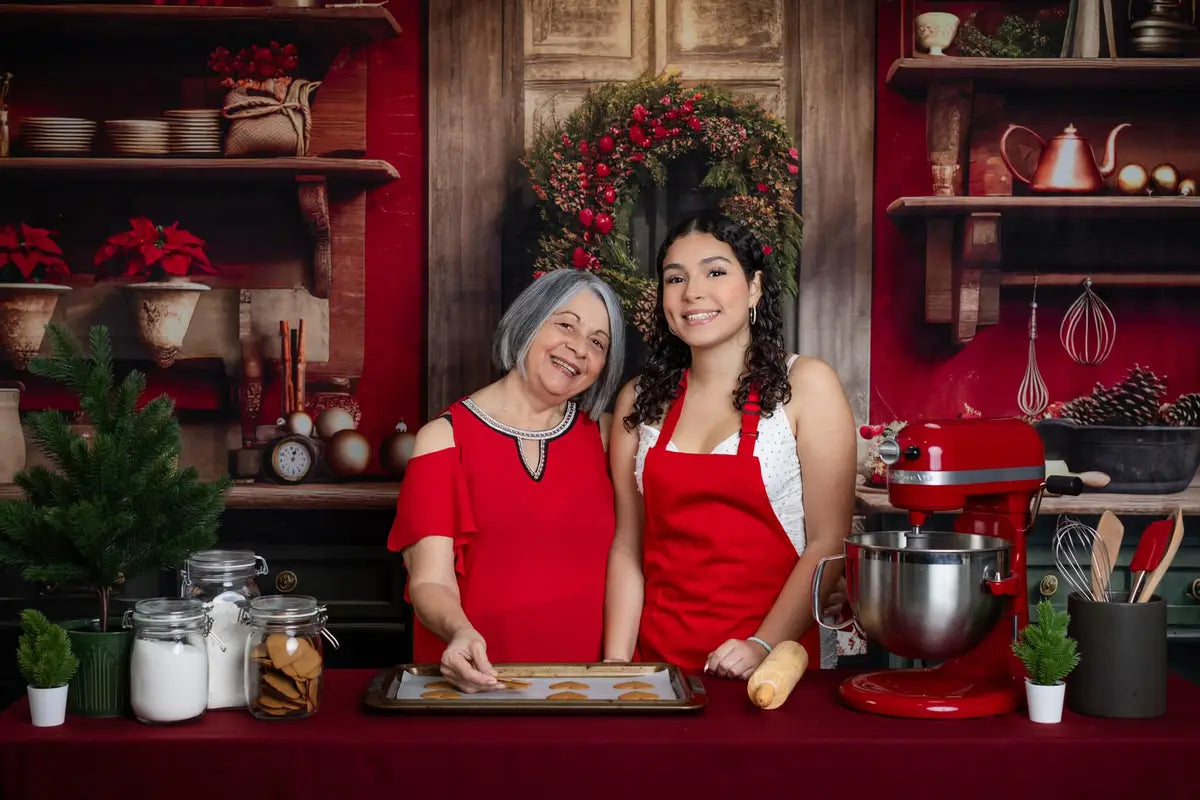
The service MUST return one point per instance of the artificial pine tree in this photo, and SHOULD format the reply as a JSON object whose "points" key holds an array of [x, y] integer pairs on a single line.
{"points": [[1184, 412], [1044, 648], [44, 656], [118, 503]]}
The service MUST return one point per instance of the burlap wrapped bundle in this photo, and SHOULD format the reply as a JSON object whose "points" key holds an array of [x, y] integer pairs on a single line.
{"points": [[261, 124]]}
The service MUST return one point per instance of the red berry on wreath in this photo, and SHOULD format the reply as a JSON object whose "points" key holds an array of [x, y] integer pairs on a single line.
{"points": [[583, 148], [604, 223], [763, 188], [580, 258], [602, 171], [635, 134], [610, 196], [585, 217], [606, 144], [878, 430], [866, 432], [694, 123]]}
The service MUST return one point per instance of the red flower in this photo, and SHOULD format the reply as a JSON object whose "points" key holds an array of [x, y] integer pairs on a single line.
{"points": [[153, 251], [30, 255], [763, 188], [793, 154], [606, 144], [694, 123], [767, 249], [635, 134], [640, 113], [792, 168]]}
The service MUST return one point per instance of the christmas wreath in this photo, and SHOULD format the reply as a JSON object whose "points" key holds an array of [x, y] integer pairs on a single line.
{"points": [[588, 173]]}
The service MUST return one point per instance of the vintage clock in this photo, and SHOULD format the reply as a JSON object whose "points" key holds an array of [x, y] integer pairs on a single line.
{"points": [[290, 459]]}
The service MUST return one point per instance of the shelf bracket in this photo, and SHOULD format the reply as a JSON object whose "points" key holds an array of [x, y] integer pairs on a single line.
{"points": [[314, 206], [977, 276]]}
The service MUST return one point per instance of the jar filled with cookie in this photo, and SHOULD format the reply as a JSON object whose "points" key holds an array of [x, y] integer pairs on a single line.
{"points": [[227, 579], [285, 656], [168, 666]]}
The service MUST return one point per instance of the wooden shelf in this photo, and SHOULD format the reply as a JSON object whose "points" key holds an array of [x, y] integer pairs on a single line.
{"points": [[362, 22], [208, 170], [359, 496], [873, 501], [1074, 207], [913, 75]]}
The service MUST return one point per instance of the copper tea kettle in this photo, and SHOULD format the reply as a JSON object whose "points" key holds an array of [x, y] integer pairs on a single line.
{"points": [[1066, 164]]}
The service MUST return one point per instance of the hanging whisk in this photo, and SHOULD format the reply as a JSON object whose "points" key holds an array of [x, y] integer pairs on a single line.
{"points": [[1089, 328], [1033, 396], [1075, 546]]}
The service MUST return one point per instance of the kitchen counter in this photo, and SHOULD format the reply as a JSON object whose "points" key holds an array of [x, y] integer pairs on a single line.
{"points": [[875, 501], [811, 747]]}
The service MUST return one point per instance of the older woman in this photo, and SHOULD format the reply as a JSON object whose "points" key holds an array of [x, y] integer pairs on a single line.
{"points": [[505, 516]]}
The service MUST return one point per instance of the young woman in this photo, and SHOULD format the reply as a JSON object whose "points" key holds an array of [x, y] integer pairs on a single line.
{"points": [[505, 515], [717, 533]]}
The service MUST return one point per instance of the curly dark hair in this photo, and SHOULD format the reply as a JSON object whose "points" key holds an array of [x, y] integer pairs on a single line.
{"points": [[668, 357]]}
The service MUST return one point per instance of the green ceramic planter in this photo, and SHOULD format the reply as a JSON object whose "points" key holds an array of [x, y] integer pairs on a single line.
{"points": [[100, 687]]}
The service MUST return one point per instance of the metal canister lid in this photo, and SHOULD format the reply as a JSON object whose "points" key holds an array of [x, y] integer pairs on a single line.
{"points": [[223, 563], [168, 612]]}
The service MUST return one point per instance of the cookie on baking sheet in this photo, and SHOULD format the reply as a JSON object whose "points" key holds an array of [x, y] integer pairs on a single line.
{"points": [[569, 685], [633, 685], [566, 696], [440, 685], [441, 694], [638, 696]]}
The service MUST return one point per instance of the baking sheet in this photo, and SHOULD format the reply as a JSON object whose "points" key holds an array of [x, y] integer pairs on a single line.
{"points": [[401, 688]]}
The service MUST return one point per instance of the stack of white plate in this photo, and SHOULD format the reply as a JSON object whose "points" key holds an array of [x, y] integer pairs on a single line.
{"points": [[57, 134], [137, 137], [195, 131]]}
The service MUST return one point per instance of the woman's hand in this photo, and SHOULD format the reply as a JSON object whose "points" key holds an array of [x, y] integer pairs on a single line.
{"points": [[835, 603], [736, 658], [465, 662]]}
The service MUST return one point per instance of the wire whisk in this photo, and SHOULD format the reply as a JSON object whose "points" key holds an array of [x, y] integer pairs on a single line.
{"points": [[1089, 328], [1075, 546], [1032, 395]]}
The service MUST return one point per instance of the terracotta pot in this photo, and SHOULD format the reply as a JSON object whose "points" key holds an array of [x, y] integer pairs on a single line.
{"points": [[164, 311], [25, 308]]}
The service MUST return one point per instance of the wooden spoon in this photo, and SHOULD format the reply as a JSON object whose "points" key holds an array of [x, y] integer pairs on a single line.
{"points": [[1109, 534], [1159, 571]]}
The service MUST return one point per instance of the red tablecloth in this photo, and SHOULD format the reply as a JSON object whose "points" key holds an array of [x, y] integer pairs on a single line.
{"points": [[811, 748]]}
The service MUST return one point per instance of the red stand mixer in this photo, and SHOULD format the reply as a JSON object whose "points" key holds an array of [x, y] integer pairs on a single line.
{"points": [[956, 597]]}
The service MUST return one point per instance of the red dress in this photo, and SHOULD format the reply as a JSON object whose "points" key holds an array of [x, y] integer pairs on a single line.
{"points": [[531, 546]]}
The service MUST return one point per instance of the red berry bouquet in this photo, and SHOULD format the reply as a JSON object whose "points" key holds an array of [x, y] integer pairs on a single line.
{"points": [[30, 255], [265, 69], [153, 251]]}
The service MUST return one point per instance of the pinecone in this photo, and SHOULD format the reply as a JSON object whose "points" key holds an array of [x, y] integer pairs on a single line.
{"points": [[644, 311], [1084, 410], [1184, 412], [1136, 399]]}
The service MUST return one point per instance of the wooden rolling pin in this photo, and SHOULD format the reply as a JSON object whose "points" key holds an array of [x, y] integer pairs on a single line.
{"points": [[770, 684]]}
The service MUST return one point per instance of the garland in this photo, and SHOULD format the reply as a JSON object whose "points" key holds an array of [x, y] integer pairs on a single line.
{"points": [[588, 174]]}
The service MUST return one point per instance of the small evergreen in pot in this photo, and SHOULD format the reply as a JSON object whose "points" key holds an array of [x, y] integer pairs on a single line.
{"points": [[117, 505], [1049, 655], [45, 661]]}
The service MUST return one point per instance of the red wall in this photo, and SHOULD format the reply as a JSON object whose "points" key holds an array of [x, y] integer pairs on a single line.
{"points": [[917, 371]]}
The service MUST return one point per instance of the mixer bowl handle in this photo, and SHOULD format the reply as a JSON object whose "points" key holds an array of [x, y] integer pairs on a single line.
{"points": [[816, 596]]}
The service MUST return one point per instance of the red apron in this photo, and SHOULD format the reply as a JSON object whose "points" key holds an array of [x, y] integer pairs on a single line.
{"points": [[714, 555]]}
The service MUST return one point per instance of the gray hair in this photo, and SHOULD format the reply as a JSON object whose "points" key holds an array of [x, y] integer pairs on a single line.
{"points": [[529, 312]]}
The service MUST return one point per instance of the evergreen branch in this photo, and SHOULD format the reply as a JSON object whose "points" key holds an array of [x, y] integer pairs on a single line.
{"points": [[44, 655]]}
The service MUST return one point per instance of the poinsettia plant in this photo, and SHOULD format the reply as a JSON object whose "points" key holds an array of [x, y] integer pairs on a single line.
{"points": [[153, 251], [30, 255]]}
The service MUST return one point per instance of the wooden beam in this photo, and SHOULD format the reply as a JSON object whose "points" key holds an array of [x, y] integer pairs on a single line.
{"points": [[314, 207], [1144, 280], [939, 268], [837, 45], [475, 80]]}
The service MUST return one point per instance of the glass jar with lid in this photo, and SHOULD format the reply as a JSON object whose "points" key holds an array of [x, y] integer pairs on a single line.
{"points": [[227, 579], [285, 657], [168, 667]]}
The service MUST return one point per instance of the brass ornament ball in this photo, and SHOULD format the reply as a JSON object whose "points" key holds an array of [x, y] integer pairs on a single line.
{"points": [[1133, 179], [1164, 178], [348, 453], [332, 420], [1187, 187], [299, 423], [395, 451]]}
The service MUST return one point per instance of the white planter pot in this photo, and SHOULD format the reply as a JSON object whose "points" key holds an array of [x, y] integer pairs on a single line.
{"points": [[1045, 702], [48, 707], [25, 308], [164, 311]]}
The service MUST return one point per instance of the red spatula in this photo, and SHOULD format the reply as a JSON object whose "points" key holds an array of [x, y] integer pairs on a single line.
{"points": [[1150, 550]]}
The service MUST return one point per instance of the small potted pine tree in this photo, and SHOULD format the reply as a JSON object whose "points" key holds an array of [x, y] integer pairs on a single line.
{"points": [[1049, 655], [47, 664], [118, 504]]}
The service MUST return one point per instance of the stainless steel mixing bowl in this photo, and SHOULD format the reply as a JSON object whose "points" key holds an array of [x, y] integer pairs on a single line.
{"points": [[923, 595]]}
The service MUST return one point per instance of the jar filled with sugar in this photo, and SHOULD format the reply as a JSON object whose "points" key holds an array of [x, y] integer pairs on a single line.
{"points": [[227, 579], [285, 657], [168, 667]]}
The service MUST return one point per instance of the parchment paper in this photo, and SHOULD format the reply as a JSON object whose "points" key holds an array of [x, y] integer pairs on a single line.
{"points": [[411, 687]]}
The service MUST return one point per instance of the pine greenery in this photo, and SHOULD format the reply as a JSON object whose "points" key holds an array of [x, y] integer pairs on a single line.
{"points": [[1044, 648], [118, 504], [44, 654]]}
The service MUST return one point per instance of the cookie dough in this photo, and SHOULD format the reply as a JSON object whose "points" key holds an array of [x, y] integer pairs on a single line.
{"points": [[569, 685], [633, 685], [638, 696], [440, 685], [566, 696], [441, 694]]}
